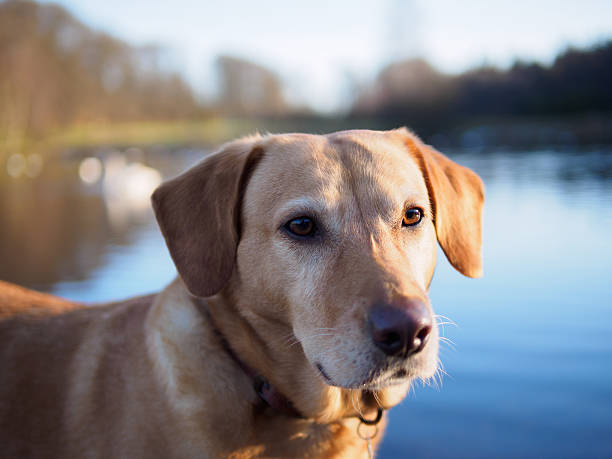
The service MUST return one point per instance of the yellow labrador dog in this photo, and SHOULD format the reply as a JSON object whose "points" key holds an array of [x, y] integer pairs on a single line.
{"points": [[300, 314]]}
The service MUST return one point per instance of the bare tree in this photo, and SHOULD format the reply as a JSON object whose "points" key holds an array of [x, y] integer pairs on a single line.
{"points": [[247, 88]]}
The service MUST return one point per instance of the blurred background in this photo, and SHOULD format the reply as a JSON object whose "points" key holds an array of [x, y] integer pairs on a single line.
{"points": [[101, 100]]}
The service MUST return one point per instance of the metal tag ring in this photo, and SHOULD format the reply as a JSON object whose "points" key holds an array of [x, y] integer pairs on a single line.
{"points": [[363, 436], [372, 422]]}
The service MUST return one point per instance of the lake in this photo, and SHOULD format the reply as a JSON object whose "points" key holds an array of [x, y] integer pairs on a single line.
{"points": [[530, 370]]}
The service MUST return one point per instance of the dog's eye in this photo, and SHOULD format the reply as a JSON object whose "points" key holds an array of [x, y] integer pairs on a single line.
{"points": [[301, 226], [412, 216]]}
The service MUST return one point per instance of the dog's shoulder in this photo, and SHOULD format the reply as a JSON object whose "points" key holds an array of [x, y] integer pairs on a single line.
{"points": [[55, 356]]}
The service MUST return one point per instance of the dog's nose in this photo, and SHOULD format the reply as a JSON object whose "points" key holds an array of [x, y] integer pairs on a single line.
{"points": [[401, 328]]}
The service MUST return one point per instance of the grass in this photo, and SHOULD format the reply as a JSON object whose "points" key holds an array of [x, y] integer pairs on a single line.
{"points": [[208, 132]]}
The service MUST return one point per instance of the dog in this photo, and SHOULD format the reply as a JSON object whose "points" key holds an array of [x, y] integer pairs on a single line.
{"points": [[299, 316]]}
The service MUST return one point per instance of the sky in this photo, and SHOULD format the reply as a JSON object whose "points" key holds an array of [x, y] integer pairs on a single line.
{"points": [[321, 49]]}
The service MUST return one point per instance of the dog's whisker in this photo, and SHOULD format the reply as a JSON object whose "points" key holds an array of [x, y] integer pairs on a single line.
{"points": [[436, 379], [377, 399], [285, 340], [450, 346], [446, 318], [355, 398], [429, 382], [441, 369], [444, 338]]}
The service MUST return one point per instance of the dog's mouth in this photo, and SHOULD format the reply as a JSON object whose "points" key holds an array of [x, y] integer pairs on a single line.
{"points": [[377, 379]]}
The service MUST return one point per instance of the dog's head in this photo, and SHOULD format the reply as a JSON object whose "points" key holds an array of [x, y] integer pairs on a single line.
{"points": [[329, 241]]}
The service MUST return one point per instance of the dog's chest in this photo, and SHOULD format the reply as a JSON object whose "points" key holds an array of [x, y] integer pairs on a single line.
{"points": [[281, 437]]}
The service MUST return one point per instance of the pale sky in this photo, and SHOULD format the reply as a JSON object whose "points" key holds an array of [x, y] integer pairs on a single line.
{"points": [[319, 46]]}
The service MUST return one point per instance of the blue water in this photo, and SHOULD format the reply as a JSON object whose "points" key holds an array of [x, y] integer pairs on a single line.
{"points": [[530, 372]]}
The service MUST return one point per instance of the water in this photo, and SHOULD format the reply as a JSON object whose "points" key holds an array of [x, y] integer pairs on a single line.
{"points": [[530, 372]]}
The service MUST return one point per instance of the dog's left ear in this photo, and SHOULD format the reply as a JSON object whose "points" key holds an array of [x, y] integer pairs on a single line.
{"points": [[457, 197], [199, 212]]}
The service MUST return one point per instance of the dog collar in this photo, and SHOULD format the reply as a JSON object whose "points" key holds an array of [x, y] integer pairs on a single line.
{"points": [[268, 394]]}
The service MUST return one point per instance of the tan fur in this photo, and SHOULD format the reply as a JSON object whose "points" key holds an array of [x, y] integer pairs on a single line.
{"points": [[149, 377]]}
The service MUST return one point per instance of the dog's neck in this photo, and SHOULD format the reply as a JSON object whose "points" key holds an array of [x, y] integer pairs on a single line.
{"points": [[293, 385], [268, 394]]}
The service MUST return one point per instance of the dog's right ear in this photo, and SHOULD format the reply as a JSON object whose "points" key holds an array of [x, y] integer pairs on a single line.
{"points": [[199, 212], [457, 198]]}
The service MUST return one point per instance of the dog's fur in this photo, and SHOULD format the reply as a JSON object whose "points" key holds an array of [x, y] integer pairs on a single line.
{"points": [[150, 377]]}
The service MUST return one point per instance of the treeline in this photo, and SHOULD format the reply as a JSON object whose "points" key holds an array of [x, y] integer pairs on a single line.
{"points": [[55, 71], [249, 89], [578, 82]]}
